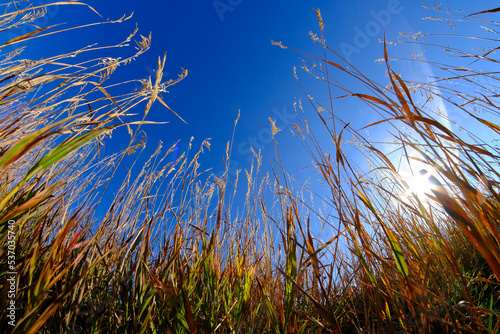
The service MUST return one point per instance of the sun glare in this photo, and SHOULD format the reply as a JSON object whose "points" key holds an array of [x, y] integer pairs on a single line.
{"points": [[418, 183]]}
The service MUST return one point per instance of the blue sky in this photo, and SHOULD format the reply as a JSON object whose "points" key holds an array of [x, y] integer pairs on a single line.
{"points": [[225, 45]]}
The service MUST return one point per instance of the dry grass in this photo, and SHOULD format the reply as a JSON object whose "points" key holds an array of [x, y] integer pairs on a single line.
{"points": [[168, 255]]}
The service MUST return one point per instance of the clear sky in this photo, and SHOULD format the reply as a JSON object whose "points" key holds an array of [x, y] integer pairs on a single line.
{"points": [[225, 45]]}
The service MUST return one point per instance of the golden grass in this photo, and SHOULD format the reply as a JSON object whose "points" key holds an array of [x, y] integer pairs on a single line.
{"points": [[169, 257]]}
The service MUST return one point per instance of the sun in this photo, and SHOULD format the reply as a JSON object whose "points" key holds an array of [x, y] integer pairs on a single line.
{"points": [[418, 183]]}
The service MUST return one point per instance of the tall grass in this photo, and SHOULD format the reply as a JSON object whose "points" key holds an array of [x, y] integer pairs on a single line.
{"points": [[170, 256], [414, 260]]}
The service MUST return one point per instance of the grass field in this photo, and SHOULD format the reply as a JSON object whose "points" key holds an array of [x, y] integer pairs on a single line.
{"points": [[408, 244]]}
